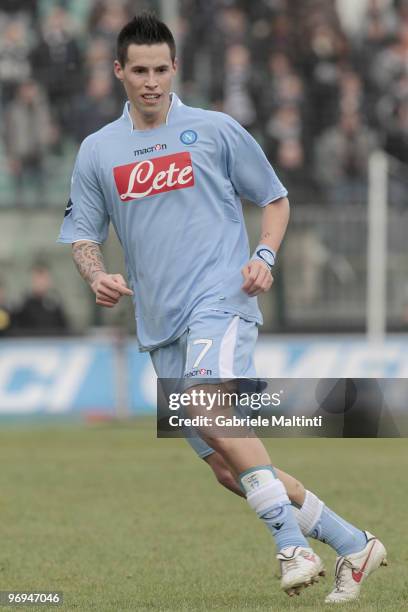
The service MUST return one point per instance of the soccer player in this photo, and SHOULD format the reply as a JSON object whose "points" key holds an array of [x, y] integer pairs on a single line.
{"points": [[170, 177]]}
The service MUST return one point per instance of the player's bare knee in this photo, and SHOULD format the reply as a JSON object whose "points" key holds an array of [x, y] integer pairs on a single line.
{"points": [[225, 478], [222, 472]]}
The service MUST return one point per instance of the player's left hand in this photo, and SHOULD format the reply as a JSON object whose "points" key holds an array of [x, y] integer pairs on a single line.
{"points": [[257, 277]]}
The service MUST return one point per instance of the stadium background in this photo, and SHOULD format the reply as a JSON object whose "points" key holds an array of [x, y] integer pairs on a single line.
{"points": [[98, 507], [320, 84]]}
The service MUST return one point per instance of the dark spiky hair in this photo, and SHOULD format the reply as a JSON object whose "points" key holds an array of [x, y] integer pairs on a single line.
{"points": [[144, 29]]}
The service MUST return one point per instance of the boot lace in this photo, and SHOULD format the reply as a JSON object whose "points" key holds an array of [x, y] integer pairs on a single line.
{"points": [[291, 564], [341, 575]]}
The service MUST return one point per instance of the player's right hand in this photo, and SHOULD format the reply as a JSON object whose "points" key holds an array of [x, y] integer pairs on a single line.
{"points": [[109, 288]]}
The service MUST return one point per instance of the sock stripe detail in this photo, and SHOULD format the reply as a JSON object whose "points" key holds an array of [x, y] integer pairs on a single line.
{"points": [[310, 512]]}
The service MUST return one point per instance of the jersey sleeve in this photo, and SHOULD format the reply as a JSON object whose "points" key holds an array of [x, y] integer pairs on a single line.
{"points": [[249, 170], [86, 216]]}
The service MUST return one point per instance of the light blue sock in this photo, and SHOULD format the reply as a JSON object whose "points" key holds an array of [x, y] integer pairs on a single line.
{"points": [[338, 533], [267, 496], [317, 521]]}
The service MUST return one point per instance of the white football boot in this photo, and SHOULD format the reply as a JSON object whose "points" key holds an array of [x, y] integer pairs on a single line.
{"points": [[300, 568], [352, 570]]}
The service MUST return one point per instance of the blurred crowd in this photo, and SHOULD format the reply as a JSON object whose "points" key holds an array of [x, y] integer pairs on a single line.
{"points": [[40, 310], [320, 83]]}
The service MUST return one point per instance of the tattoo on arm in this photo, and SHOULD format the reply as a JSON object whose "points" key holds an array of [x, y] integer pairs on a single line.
{"points": [[265, 235], [88, 259]]}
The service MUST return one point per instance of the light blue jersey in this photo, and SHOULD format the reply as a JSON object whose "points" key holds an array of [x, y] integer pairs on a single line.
{"points": [[173, 196]]}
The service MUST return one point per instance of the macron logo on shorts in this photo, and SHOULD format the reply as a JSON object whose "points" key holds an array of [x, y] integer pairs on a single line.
{"points": [[152, 176]]}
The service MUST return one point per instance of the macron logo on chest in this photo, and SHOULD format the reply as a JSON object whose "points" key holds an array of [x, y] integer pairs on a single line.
{"points": [[152, 176]]}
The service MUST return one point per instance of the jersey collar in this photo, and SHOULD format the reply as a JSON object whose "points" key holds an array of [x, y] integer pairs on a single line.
{"points": [[174, 103]]}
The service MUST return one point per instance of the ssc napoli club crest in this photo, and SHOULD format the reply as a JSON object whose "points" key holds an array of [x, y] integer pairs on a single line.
{"points": [[188, 137]]}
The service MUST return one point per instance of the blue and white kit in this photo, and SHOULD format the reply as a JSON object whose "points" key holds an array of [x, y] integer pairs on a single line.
{"points": [[216, 345], [173, 195]]}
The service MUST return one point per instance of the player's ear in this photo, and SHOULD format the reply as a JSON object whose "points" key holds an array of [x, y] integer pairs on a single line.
{"points": [[118, 70], [175, 65]]}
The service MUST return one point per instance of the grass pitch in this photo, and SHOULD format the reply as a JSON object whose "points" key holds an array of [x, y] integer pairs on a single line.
{"points": [[119, 520]]}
